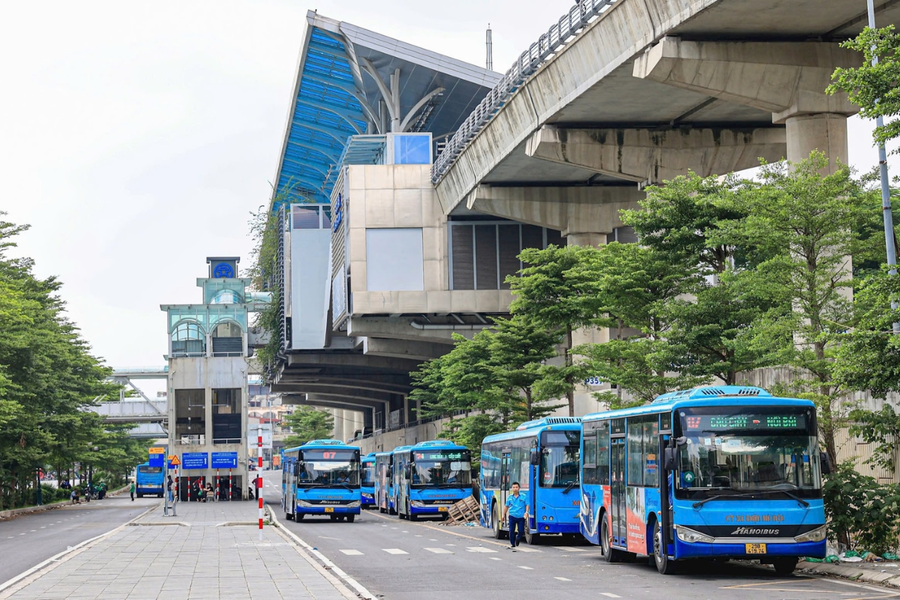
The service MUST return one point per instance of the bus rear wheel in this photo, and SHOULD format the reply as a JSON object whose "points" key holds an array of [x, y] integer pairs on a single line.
{"points": [[533, 539], [784, 566], [498, 531], [660, 553]]}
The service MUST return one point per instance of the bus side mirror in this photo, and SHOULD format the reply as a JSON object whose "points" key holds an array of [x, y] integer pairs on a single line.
{"points": [[825, 461], [670, 459], [407, 472], [296, 469], [535, 459]]}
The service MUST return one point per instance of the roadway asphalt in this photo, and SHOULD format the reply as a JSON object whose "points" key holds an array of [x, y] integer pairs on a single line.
{"points": [[31, 539], [400, 560]]}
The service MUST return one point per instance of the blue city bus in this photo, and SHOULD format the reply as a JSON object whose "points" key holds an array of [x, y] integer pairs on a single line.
{"points": [[432, 476], [321, 477], [713, 472], [367, 480], [396, 472], [149, 481], [542, 455], [384, 482]]}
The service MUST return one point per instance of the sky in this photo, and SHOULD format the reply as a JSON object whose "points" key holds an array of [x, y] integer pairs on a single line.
{"points": [[137, 138]]}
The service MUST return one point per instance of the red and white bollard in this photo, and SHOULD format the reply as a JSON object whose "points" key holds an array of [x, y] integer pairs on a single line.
{"points": [[259, 483]]}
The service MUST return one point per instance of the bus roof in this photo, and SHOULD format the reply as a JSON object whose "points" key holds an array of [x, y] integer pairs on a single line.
{"points": [[439, 444], [400, 449], [315, 444], [720, 395], [548, 421], [369, 457], [536, 429]]}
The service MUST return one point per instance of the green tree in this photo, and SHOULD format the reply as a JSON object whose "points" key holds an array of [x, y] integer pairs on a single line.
{"points": [[810, 225], [633, 285], [874, 88], [307, 423], [553, 293]]}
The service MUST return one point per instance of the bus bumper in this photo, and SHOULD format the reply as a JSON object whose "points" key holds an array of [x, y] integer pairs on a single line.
{"points": [[342, 509], [554, 527], [428, 509], [760, 552]]}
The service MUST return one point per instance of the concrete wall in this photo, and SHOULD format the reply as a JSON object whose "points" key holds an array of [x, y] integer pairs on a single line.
{"points": [[310, 287], [401, 196]]}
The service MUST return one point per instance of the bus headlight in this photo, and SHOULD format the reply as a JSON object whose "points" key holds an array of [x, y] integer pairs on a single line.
{"points": [[354, 504], [417, 503], [816, 535], [690, 536], [367, 496]]}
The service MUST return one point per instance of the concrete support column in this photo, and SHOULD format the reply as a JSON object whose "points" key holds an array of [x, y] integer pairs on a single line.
{"points": [[823, 132], [586, 239], [787, 79]]}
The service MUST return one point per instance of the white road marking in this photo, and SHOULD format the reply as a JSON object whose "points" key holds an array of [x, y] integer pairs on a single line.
{"points": [[526, 568], [567, 549], [609, 595], [404, 531], [480, 549], [450, 544], [562, 579], [524, 549], [352, 552], [432, 540], [439, 550], [395, 551], [417, 535], [494, 558]]}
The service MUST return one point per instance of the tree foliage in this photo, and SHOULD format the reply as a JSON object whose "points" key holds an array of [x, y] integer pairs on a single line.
{"points": [[307, 423], [875, 88], [48, 378]]}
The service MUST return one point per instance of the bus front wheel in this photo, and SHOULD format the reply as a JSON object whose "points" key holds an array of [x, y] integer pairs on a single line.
{"points": [[498, 531], [660, 553], [351, 518], [784, 566], [610, 554]]}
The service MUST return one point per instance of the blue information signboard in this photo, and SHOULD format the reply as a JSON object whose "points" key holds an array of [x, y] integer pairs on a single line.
{"points": [[195, 460], [224, 460], [157, 460]]}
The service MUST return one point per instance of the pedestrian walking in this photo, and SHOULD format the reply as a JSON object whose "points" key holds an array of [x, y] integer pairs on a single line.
{"points": [[131, 491], [516, 511]]}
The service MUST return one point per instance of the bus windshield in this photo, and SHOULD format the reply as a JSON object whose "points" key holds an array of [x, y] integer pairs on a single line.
{"points": [[329, 468], [441, 468], [368, 474], [559, 458], [733, 453]]}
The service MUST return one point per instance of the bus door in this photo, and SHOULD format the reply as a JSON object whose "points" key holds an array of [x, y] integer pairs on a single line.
{"points": [[617, 491], [506, 469]]}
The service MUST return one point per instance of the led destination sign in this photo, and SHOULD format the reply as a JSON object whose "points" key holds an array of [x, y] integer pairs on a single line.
{"points": [[342, 455], [441, 455], [746, 421]]}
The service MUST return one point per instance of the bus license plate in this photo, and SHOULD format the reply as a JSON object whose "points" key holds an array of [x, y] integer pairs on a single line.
{"points": [[755, 548], [442, 509], [332, 510]]}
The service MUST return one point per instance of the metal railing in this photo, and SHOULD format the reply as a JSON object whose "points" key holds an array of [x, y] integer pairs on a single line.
{"points": [[529, 61]]}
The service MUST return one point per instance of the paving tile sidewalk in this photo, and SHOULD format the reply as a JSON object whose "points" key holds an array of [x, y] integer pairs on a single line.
{"points": [[883, 573], [208, 551]]}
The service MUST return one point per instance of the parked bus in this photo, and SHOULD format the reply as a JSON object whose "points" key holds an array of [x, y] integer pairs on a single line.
{"points": [[712, 472], [321, 477], [149, 481], [367, 480], [432, 476], [397, 464], [542, 456], [384, 482]]}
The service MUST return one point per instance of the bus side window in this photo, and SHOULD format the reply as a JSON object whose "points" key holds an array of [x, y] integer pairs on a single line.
{"points": [[603, 454]]}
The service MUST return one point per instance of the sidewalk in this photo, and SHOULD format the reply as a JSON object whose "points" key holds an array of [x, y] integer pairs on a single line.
{"points": [[208, 551], [882, 573]]}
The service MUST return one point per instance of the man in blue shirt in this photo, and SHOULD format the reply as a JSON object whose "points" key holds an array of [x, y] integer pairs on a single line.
{"points": [[517, 511]]}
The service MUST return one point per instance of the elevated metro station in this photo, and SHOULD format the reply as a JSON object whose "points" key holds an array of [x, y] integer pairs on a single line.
{"points": [[408, 182]]}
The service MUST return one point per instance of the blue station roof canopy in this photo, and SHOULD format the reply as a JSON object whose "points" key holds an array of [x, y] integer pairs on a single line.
{"points": [[354, 81]]}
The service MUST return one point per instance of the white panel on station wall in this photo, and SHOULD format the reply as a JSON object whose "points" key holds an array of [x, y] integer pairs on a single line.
{"points": [[394, 260]]}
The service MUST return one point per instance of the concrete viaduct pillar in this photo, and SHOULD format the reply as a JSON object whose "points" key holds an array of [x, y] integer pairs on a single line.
{"points": [[787, 79]]}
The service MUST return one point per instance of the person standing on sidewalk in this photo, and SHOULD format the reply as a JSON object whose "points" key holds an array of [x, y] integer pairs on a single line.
{"points": [[131, 491], [517, 512]]}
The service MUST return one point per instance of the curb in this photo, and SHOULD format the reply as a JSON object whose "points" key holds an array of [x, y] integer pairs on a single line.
{"points": [[884, 578], [12, 513], [324, 566], [15, 584]]}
